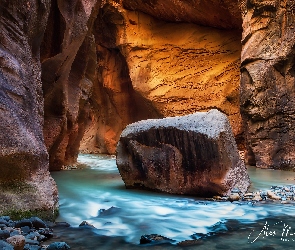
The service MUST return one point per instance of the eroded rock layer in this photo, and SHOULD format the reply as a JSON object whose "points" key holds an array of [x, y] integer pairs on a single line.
{"points": [[173, 68], [106, 64], [267, 82], [68, 72], [194, 154], [210, 13], [25, 182]]}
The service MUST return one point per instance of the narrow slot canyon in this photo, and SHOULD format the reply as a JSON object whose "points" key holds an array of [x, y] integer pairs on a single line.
{"points": [[217, 78]]}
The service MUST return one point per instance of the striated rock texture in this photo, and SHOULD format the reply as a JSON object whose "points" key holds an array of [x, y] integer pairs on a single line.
{"points": [[166, 67], [87, 88], [114, 102], [268, 82], [194, 154], [211, 13], [68, 71], [25, 182]]}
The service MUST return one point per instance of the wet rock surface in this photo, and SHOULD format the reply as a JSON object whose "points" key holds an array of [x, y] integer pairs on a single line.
{"points": [[194, 154], [27, 234], [281, 194], [154, 239]]}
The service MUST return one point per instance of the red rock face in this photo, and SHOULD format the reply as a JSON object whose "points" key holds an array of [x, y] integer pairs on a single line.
{"points": [[106, 66], [267, 83], [23, 155], [68, 71], [150, 68], [115, 104], [212, 13]]}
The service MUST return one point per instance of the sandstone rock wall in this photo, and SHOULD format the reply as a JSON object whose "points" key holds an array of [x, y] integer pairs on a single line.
{"points": [[68, 71], [267, 82], [25, 182], [172, 68], [209, 13], [106, 64]]}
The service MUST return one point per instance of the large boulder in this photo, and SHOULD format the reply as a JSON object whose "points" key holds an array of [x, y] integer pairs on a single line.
{"points": [[194, 154]]}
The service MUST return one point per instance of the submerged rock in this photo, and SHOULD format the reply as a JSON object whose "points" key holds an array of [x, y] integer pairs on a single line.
{"points": [[58, 246], [154, 239], [194, 154]]}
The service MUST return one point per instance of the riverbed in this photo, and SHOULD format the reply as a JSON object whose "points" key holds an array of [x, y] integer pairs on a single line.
{"points": [[97, 194]]}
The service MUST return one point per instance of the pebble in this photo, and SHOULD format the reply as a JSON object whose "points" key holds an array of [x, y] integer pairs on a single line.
{"points": [[284, 194], [17, 241], [27, 234], [154, 239], [58, 246], [234, 197]]}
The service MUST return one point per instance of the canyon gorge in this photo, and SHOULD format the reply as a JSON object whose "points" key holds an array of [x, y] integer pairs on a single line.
{"points": [[75, 73]]}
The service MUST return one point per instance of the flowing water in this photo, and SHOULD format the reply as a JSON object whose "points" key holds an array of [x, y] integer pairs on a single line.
{"points": [[97, 195]]}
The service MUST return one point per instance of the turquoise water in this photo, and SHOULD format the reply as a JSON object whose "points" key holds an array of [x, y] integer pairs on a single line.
{"points": [[97, 195]]}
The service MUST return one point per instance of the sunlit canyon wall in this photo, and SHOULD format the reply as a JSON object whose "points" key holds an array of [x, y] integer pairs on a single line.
{"points": [[123, 61]]}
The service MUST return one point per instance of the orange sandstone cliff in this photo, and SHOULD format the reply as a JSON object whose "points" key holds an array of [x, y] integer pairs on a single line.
{"points": [[157, 59]]}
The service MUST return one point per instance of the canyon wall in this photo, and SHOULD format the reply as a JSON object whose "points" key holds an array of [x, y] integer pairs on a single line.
{"points": [[156, 60], [68, 56], [74, 74], [106, 65], [268, 82], [25, 182]]}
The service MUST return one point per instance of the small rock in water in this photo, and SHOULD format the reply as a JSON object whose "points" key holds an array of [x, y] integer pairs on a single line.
{"points": [[154, 239], [234, 197], [25, 229], [257, 197], [110, 211], [37, 222], [86, 224], [32, 247], [58, 246], [190, 243], [27, 235], [272, 195]]}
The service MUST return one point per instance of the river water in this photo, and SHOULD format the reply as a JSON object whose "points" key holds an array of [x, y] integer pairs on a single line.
{"points": [[97, 194]]}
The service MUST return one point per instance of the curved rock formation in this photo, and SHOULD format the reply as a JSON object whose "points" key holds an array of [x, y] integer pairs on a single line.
{"points": [[170, 67], [211, 13], [268, 82], [25, 182], [194, 154], [68, 71]]}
